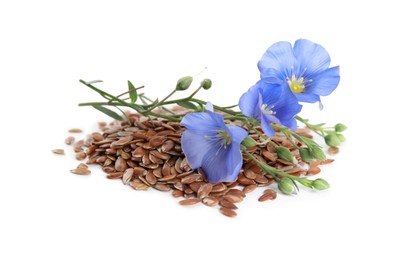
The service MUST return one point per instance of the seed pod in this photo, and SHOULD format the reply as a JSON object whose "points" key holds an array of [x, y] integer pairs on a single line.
{"points": [[320, 184], [286, 185], [285, 154], [340, 127], [184, 83], [317, 153], [332, 140]]}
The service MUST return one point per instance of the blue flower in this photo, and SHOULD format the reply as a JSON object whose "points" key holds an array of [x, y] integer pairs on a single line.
{"points": [[304, 68], [208, 143], [269, 102]]}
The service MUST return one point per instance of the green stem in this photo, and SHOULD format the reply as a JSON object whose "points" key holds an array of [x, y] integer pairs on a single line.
{"points": [[195, 92], [318, 131], [290, 139], [270, 170], [161, 102]]}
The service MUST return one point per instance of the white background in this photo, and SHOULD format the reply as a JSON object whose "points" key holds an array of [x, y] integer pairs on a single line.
{"points": [[47, 46]]}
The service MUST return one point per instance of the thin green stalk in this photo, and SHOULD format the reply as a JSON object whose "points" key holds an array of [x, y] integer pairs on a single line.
{"points": [[195, 92], [310, 126], [161, 102], [270, 170]]}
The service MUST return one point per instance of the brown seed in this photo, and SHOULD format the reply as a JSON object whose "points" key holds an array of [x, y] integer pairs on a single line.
{"points": [[249, 188], [155, 159], [188, 202], [167, 146], [249, 174], [138, 135], [269, 194], [261, 179], [69, 140], [204, 190], [151, 179], [177, 193], [244, 180], [97, 137], [128, 175], [168, 178], [78, 146], [115, 175], [82, 165], [233, 198], [163, 156], [180, 186], [228, 212], [219, 187], [139, 171], [236, 192], [136, 184], [120, 165], [161, 187], [75, 130], [327, 161], [58, 151], [81, 171], [156, 140], [313, 171], [122, 141], [227, 204], [138, 152], [269, 156], [166, 169], [191, 178], [210, 201], [80, 155], [333, 150]]}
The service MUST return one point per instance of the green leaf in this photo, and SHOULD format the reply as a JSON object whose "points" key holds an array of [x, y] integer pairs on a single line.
{"points": [[109, 112], [94, 81], [187, 104], [132, 92]]}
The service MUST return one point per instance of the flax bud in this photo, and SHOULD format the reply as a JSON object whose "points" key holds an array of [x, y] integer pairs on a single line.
{"points": [[320, 184], [184, 83], [206, 84]]}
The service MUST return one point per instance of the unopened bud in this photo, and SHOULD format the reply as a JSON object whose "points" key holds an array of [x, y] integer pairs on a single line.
{"points": [[286, 185], [206, 84], [184, 83], [318, 154], [249, 142], [341, 137], [320, 184], [332, 140], [285, 154], [340, 127], [306, 155]]}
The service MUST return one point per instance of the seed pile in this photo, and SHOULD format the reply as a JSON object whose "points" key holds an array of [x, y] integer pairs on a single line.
{"points": [[148, 154]]}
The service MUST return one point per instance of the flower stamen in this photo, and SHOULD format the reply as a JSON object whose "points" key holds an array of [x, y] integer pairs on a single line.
{"points": [[268, 110], [296, 84]]}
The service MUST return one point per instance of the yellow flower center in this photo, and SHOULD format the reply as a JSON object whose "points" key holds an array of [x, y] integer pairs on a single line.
{"points": [[296, 84], [224, 137]]}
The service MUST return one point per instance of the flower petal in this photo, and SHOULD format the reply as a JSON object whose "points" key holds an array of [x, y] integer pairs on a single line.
{"points": [[287, 106], [307, 97], [291, 123], [234, 161], [311, 56], [266, 128], [279, 57], [249, 100], [202, 123], [195, 147], [209, 106], [325, 82], [237, 134], [214, 164], [271, 92]]}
